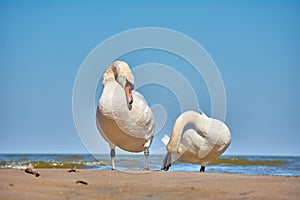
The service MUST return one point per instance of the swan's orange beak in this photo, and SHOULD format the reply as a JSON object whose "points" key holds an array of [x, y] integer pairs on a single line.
{"points": [[128, 91]]}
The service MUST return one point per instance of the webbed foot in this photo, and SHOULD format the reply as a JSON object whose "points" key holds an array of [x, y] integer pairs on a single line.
{"points": [[202, 169]]}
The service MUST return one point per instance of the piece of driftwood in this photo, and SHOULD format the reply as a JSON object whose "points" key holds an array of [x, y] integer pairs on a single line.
{"points": [[31, 170], [82, 182]]}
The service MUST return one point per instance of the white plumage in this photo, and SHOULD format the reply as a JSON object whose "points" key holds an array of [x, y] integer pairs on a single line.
{"points": [[128, 126], [207, 139]]}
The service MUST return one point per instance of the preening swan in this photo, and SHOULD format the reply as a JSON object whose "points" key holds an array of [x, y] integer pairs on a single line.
{"points": [[207, 139], [123, 117]]}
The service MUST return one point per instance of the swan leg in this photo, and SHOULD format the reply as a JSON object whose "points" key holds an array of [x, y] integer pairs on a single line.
{"points": [[146, 153], [202, 169], [112, 156]]}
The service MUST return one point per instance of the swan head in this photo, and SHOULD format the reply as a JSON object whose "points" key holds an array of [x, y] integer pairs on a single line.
{"points": [[128, 91], [120, 71]]}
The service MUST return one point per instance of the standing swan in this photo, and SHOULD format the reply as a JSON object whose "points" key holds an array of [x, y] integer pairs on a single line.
{"points": [[123, 117], [207, 139]]}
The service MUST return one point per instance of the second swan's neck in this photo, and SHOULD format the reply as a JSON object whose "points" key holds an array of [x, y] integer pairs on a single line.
{"points": [[189, 117], [118, 69]]}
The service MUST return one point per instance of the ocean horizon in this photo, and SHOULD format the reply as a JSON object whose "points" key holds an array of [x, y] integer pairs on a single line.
{"points": [[233, 164]]}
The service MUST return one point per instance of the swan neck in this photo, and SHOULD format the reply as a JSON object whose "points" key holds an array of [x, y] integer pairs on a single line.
{"points": [[118, 69], [189, 117]]}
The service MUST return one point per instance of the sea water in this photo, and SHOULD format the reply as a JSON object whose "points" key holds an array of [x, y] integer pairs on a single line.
{"points": [[259, 165]]}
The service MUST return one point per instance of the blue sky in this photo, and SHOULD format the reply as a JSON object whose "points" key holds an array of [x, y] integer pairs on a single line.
{"points": [[255, 45]]}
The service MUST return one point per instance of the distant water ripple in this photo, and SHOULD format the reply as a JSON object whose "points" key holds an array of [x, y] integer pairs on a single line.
{"points": [[263, 165]]}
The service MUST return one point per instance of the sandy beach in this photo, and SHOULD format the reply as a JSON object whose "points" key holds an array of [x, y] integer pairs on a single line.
{"points": [[98, 184]]}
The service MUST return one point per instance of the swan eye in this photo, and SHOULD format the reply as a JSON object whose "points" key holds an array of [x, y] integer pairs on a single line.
{"points": [[129, 84]]}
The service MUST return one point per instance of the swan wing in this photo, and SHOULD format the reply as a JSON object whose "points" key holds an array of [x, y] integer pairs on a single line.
{"points": [[137, 121]]}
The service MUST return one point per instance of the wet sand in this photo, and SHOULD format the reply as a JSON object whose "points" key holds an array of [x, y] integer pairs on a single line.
{"points": [[98, 184]]}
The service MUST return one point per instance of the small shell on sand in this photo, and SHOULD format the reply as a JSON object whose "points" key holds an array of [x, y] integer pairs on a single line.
{"points": [[73, 170]]}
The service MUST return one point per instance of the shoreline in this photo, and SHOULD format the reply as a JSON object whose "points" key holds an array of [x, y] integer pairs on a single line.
{"points": [[107, 184]]}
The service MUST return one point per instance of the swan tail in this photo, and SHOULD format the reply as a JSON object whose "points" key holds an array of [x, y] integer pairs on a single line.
{"points": [[165, 139]]}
